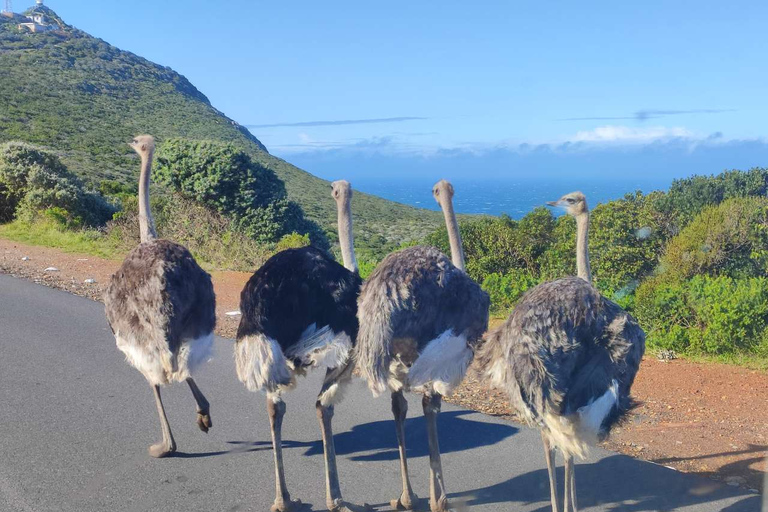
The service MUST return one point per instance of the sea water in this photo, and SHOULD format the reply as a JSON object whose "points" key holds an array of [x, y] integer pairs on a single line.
{"points": [[511, 197]]}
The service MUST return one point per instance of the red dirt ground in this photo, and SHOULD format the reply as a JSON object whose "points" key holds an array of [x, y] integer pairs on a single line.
{"points": [[700, 418]]}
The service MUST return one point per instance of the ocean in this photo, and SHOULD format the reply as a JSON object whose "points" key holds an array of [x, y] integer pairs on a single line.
{"points": [[496, 197]]}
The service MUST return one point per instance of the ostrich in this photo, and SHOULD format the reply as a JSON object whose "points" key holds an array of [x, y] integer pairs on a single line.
{"points": [[162, 310], [420, 317], [299, 310], [567, 357]]}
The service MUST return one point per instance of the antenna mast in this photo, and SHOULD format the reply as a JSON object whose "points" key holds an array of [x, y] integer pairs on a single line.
{"points": [[8, 7]]}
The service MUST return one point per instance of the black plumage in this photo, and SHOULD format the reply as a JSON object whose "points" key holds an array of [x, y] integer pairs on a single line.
{"points": [[294, 289], [300, 310]]}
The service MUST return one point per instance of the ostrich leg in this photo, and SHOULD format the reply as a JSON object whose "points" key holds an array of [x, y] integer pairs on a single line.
{"points": [[203, 407], [549, 453], [167, 446], [276, 411], [438, 501], [569, 504], [334, 379], [407, 499]]}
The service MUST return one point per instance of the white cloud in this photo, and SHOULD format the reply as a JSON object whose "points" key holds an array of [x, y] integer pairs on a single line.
{"points": [[629, 135]]}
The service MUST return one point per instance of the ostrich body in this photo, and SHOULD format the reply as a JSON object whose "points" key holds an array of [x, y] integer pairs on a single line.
{"points": [[299, 311], [420, 316], [567, 357], [161, 307]]}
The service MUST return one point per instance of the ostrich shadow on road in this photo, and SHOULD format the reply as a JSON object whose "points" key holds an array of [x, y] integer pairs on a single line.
{"points": [[376, 441], [616, 483]]}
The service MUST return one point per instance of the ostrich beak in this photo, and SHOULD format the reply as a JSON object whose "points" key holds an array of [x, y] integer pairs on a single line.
{"points": [[553, 203]]}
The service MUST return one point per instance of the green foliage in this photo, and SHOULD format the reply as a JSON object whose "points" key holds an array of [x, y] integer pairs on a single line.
{"points": [[727, 239], [225, 178], [85, 99], [687, 197], [292, 241], [624, 243], [33, 180], [505, 290], [211, 237], [500, 245], [707, 315]]}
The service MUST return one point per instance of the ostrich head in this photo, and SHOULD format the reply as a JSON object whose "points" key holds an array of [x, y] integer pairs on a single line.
{"points": [[144, 145], [575, 203], [442, 191], [341, 191]]}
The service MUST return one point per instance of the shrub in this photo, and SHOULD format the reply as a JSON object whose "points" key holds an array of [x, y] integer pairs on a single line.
{"points": [[210, 236], [709, 315], [33, 181], [506, 290], [223, 177], [727, 239], [689, 196], [292, 241]]}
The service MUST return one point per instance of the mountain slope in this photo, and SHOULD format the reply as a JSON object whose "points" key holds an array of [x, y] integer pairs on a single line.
{"points": [[84, 98]]}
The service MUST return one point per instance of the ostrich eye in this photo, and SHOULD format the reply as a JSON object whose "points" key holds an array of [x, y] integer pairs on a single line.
{"points": [[571, 200]]}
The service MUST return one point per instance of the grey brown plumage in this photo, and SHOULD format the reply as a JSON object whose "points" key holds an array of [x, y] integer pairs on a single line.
{"points": [[162, 309], [567, 357], [158, 303], [560, 350], [420, 317], [412, 298]]}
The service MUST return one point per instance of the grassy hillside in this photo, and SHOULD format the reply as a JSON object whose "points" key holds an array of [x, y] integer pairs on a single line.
{"points": [[84, 98]]}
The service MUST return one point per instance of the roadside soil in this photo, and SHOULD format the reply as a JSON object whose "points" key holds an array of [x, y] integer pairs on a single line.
{"points": [[710, 419]]}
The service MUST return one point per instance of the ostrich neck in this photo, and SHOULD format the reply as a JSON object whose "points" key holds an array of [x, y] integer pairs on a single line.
{"points": [[454, 237], [146, 224], [582, 247], [346, 239]]}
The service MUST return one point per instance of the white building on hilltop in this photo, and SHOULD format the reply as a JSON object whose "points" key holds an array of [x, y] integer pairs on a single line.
{"points": [[37, 21]]}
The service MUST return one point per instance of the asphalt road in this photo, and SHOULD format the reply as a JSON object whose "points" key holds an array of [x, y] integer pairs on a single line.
{"points": [[76, 421]]}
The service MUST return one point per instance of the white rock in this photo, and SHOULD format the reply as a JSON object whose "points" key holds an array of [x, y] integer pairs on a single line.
{"points": [[25, 258], [232, 313], [51, 269], [89, 281]]}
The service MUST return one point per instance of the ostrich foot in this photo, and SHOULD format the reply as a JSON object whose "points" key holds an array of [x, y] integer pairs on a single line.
{"points": [[343, 506], [285, 505], [204, 421], [440, 506], [406, 501], [162, 449]]}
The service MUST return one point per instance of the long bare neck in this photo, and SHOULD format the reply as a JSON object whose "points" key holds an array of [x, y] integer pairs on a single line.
{"points": [[582, 247], [346, 239], [454, 237], [146, 224]]}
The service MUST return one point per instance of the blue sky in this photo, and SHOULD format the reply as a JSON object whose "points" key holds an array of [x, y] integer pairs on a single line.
{"points": [[506, 88]]}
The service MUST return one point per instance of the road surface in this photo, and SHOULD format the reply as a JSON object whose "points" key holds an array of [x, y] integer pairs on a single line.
{"points": [[76, 421]]}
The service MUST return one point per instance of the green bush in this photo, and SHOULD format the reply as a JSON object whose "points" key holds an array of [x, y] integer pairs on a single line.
{"points": [[705, 315], [223, 177], [689, 196], [292, 241], [727, 239], [506, 290], [33, 180], [210, 236]]}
